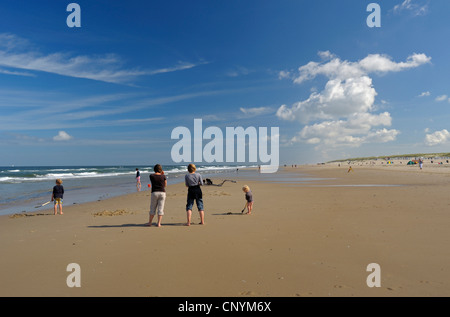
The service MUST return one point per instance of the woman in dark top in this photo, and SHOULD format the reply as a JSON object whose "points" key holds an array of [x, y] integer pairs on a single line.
{"points": [[193, 181], [158, 197]]}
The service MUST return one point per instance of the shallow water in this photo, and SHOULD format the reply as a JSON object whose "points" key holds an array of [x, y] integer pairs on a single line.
{"points": [[24, 188]]}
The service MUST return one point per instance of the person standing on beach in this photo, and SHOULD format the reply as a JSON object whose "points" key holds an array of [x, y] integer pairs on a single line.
{"points": [[57, 196], [138, 180], [193, 181], [249, 199], [158, 196]]}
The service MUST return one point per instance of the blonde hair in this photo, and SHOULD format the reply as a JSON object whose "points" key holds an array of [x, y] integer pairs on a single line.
{"points": [[246, 188], [191, 168], [59, 181]]}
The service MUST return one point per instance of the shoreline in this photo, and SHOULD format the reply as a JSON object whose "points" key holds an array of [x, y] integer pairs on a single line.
{"points": [[301, 240], [84, 190]]}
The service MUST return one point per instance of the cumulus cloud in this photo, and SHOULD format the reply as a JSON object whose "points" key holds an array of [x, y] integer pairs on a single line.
{"points": [[62, 136], [357, 129], [340, 98], [373, 63], [425, 94], [342, 113], [438, 137]]}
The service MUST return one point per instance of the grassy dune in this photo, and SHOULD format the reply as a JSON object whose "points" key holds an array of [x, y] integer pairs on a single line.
{"points": [[400, 156]]}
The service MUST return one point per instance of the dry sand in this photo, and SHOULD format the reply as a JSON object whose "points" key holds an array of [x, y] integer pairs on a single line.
{"points": [[309, 239]]}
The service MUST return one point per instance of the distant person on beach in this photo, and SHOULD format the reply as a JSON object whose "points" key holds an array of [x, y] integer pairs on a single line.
{"points": [[350, 169], [420, 163], [138, 179], [57, 196], [193, 181], [249, 199], [158, 196]]}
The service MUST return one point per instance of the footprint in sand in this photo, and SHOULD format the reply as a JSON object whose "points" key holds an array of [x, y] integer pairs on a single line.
{"points": [[219, 193], [248, 293], [26, 215], [303, 294], [111, 213], [340, 286]]}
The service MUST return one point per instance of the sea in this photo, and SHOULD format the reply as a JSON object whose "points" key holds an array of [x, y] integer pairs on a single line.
{"points": [[26, 189]]}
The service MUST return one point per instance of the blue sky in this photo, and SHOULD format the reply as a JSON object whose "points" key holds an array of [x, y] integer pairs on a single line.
{"points": [[111, 91]]}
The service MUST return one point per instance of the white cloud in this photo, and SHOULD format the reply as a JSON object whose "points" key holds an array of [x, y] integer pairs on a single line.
{"points": [[326, 55], [358, 129], [238, 71], [405, 5], [256, 111], [442, 98], [210, 117], [55, 111], [381, 136], [19, 138], [62, 136], [374, 63], [425, 94], [9, 72], [415, 8], [342, 113], [438, 137], [180, 66], [383, 64], [18, 53], [284, 74], [338, 99]]}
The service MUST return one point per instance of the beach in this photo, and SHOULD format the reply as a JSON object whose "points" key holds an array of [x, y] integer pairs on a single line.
{"points": [[311, 238]]}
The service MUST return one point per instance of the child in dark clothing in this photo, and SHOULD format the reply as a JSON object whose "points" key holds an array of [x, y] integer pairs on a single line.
{"points": [[57, 196]]}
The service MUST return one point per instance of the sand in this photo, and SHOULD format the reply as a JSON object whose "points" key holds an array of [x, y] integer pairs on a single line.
{"points": [[308, 239]]}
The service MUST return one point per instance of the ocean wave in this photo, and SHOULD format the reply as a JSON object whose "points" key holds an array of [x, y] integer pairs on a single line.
{"points": [[41, 175], [6, 179], [220, 168], [53, 176], [69, 175]]}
